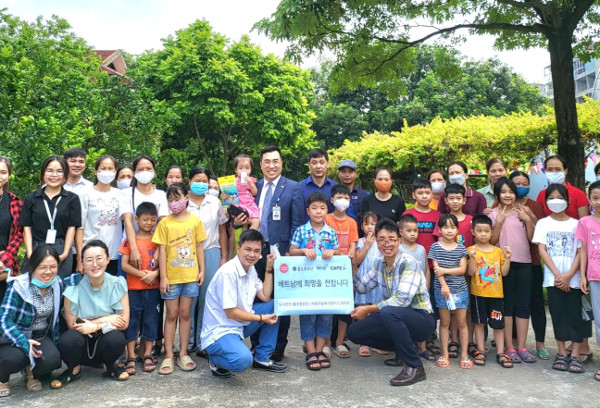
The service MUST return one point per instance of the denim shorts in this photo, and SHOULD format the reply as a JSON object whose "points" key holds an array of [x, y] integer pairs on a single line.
{"points": [[176, 290], [315, 325], [143, 314], [461, 299]]}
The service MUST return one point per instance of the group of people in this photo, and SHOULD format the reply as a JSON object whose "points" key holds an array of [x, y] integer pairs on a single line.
{"points": [[114, 271]]}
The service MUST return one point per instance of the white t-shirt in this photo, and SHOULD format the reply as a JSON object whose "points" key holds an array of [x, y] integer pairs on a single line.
{"points": [[100, 218], [77, 188], [212, 216], [231, 287], [561, 245], [156, 197]]}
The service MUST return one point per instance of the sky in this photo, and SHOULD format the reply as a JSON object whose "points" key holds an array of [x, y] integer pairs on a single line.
{"points": [[136, 26]]}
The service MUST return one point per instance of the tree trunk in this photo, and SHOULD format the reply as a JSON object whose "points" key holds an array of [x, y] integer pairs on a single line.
{"points": [[570, 143]]}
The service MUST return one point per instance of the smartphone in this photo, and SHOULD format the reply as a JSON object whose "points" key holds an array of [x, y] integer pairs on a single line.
{"points": [[234, 211], [79, 320]]}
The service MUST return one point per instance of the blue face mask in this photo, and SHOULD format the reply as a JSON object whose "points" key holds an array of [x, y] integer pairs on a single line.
{"points": [[199, 188], [598, 178], [40, 284], [522, 191]]}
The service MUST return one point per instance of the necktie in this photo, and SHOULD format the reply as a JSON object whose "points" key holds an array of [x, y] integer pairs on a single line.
{"points": [[264, 216]]}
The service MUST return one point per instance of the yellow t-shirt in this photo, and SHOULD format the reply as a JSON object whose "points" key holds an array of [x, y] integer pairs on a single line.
{"points": [[487, 281], [180, 238]]}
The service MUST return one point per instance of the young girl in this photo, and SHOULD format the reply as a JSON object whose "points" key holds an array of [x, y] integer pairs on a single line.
{"points": [[181, 264], [588, 232], [367, 252], [555, 236], [246, 186], [450, 288], [513, 227]]}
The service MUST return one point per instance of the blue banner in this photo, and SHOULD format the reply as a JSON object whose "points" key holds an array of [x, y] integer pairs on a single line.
{"points": [[313, 287]]}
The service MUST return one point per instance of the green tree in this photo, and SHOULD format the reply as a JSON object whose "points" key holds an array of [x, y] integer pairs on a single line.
{"points": [[229, 98], [374, 41]]}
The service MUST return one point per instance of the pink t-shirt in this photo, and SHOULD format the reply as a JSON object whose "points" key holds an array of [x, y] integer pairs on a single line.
{"points": [[514, 235], [427, 224], [246, 198], [464, 236], [588, 232]]}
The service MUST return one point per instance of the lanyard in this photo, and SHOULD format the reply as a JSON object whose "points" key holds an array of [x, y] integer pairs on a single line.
{"points": [[53, 217]]}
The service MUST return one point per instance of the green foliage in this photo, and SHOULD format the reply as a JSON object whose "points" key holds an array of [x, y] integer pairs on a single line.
{"points": [[516, 137], [228, 98]]}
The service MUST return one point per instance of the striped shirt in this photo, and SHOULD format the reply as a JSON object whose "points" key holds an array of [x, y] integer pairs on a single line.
{"points": [[448, 259], [402, 285]]}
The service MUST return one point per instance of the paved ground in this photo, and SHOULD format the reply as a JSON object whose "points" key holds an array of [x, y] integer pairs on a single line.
{"points": [[356, 381]]}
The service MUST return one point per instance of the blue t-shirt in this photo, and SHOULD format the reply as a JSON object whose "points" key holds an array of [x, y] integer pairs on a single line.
{"points": [[448, 259], [307, 237]]}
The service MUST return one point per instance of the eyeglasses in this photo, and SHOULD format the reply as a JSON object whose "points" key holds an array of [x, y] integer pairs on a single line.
{"points": [[270, 163], [97, 260], [44, 268], [57, 172], [390, 241]]}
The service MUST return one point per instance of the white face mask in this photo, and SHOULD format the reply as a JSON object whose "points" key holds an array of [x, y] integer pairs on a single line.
{"points": [[457, 179], [438, 186], [341, 204], [556, 178], [144, 177], [123, 184], [213, 192], [106, 177], [557, 205]]}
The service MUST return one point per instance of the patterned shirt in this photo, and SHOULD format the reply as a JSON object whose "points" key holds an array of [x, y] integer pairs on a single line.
{"points": [[402, 285], [44, 306], [9, 257], [307, 237]]}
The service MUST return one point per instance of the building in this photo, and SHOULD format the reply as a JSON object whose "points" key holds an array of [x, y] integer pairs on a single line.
{"points": [[112, 62], [586, 75]]}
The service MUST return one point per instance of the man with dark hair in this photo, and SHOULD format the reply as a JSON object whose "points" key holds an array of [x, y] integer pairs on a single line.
{"points": [[347, 174], [404, 317], [230, 313], [75, 158], [318, 163]]}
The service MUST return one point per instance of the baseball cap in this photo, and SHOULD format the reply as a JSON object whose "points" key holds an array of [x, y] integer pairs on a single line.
{"points": [[347, 163]]}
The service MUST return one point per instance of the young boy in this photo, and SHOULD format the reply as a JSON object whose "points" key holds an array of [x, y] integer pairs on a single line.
{"points": [[144, 295], [347, 235], [455, 199], [487, 265], [409, 232], [315, 238]]}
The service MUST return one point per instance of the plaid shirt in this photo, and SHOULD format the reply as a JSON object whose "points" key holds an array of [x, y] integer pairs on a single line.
{"points": [[9, 257], [402, 285], [307, 237]]}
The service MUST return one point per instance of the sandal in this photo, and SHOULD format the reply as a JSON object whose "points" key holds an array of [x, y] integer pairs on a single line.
{"points": [[129, 366], [341, 351], [575, 366], [167, 366], [453, 349], [471, 349], [32, 384], [479, 358], [381, 352], [504, 360], [151, 366], [588, 357], [427, 355], [597, 376], [364, 351], [543, 354], [156, 352], [186, 363], [561, 363], [327, 351], [4, 389], [442, 362], [430, 345], [313, 365], [466, 363], [117, 373], [513, 355], [65, 378], [324, 362], [526, 356]]}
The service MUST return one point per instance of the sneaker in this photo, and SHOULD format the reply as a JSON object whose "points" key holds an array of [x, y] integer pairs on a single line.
{"points": [[270, 365], [219, 372]]}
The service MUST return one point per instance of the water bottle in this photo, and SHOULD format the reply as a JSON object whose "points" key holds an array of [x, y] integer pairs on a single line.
{"points": [[243, 176], [450, 302]]}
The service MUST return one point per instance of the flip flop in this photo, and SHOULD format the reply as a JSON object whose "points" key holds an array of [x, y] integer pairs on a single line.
{"points": [[364, 351], [341, 351], [4, 389], [442, 362], [167, 366], [381, 352], [186, 363], [543, 354], [466, 363]]}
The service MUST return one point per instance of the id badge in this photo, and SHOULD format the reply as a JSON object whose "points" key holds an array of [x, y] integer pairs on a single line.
{"points": [[51, 236], [276, 213]]}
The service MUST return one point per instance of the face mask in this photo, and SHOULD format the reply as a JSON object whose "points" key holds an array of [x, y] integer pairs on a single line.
{"points": [[199, 188], [438, 186], [341, 204], [557, 205], [522, 191], [106, 177], [383, 186], [457, 179], [177, 206], [40, 284], [556, 178], [123, 184], [598, 178], [213, 192], [144, 177]]}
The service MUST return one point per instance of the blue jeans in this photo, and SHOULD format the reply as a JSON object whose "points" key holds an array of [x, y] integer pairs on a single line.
{"points": [[230, 351], [212, 257], [143, 314], [315, 325]]}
